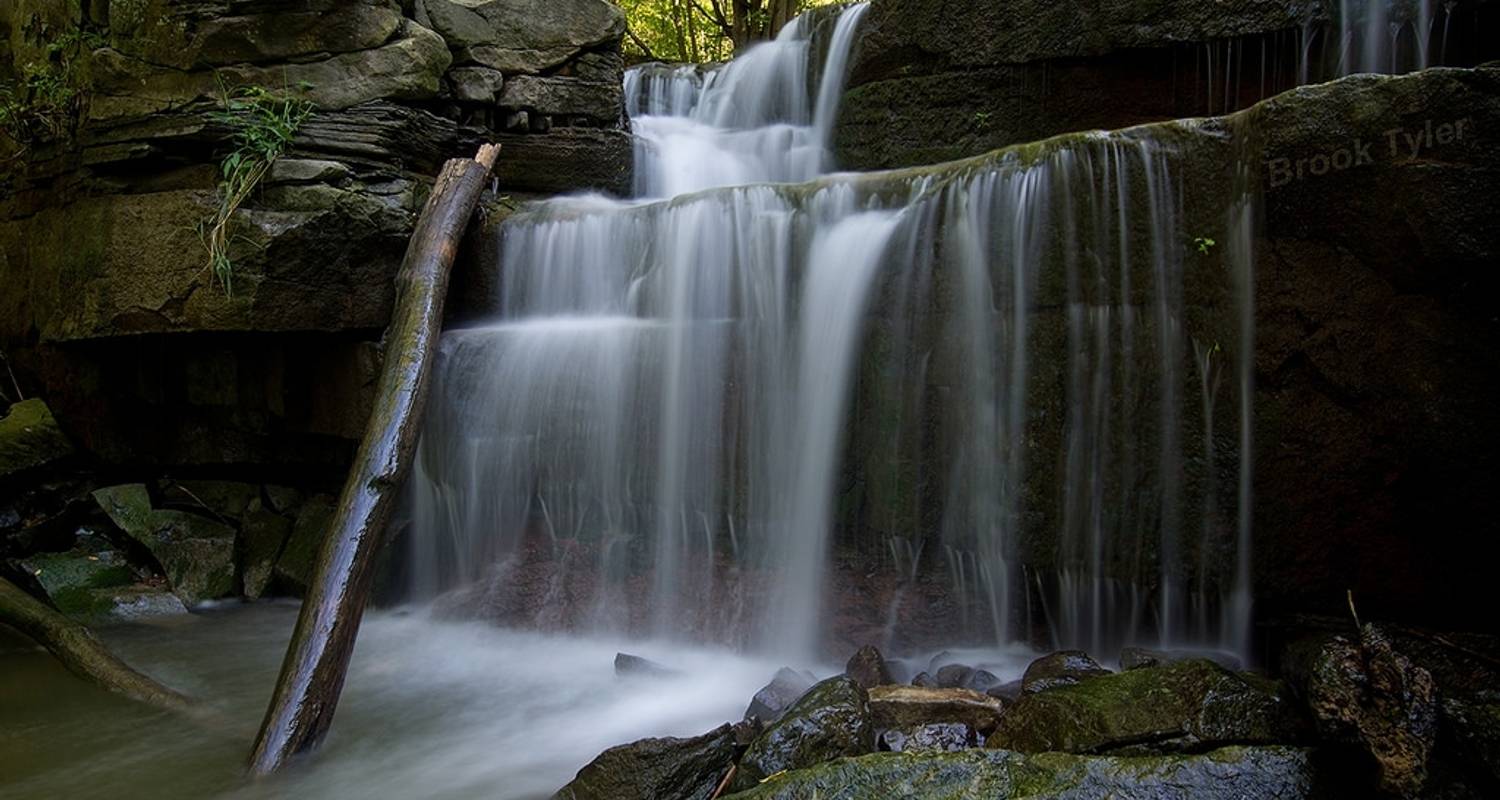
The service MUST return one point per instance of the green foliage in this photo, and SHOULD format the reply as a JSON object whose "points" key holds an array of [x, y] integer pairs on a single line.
{"points": [[698, 30], [264, 124], [1204, 244], [45, 102]]}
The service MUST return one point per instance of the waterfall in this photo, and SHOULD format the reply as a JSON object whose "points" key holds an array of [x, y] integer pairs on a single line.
{"points": [[708, 411]]}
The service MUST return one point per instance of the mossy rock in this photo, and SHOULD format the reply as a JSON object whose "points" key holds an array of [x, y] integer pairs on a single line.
{"points": [[29, 437], [665, 768], [1190, 705], [294, 566], [1234, 772], [70, 579], [195, 552], [263, 534], [830, 721]]}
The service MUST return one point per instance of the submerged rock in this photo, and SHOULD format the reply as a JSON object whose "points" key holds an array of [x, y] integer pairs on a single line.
{"points": [[1190, 705], [667, 768], [1372, 696], [29, 437], [934, 737], [868, 668], [908, 707], [196, 553], [627, 664], [831, 721], [953, 676], [776, 697], [1231, 773], [1063, 668]]}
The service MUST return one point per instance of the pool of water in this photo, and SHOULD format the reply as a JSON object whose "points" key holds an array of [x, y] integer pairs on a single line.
{"points": [[431, 709]]}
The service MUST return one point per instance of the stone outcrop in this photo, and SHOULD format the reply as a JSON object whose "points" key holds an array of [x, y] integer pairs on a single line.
{"points": [[102, 267], [830, 721], [933, 81]]}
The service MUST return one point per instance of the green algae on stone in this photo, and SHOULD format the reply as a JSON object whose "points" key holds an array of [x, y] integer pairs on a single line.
{"points": [[70, 579], [1233, 772], [295, 564], [1188, 705], [29, 437]]}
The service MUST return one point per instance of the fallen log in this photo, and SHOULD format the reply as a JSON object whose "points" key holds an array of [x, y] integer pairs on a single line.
{"points": [[75, 646], [312, 675]]}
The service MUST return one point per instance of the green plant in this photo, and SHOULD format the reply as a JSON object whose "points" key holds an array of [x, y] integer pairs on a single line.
{"points": [[1204, 244], [45, 101], [263, 124]]}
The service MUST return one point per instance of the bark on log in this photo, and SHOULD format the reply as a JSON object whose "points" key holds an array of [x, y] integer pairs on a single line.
{"points": [[317, 658], [75, 646]]}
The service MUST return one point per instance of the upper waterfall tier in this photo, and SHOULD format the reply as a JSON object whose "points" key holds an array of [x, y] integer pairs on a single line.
{"points": [[765, 116]]}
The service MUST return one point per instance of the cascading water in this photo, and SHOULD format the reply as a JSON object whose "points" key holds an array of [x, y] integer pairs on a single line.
{"points": [[687, 402]]}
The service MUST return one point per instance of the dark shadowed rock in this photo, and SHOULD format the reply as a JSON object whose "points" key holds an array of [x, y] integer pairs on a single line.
{"points": [[1231, 773], [924, 679], [1063, 668], [29, 437], [1471, 728], [981, 680], [1368, 694], [1137, 657], [953, 676], [908, 707], [263, 533], [627, 664], [1190, 705], [934, 737], [658, 769], [1010, 691], [868, 668], [295, 564], [776, 697], [831, 721]]}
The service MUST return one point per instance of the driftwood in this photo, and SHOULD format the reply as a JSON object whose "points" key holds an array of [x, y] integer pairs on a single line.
{"points": [[75, 646], [317, 658]]}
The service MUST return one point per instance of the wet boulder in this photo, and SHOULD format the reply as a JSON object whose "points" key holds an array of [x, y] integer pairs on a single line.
{"points": [[868, 668], [195, 552], [1010, 691], [776, 697], [221, 499], [831, 721], [1369, 695], [908, 707], [1063, 668], [940, 737], [29, 437], [666, 768], [1187, 706], [1231, 773]]}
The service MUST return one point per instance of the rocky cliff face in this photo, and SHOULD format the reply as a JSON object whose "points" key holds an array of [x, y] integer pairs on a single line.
{"points": [[105, 298], [937, 80]]}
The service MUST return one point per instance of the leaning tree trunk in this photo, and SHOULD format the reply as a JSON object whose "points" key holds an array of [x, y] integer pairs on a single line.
{"points": [[79, 651], [317, 658]]}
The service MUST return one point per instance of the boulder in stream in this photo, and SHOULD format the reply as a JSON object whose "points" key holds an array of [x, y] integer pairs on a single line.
{"points": [[629, 665], [1062, 668], [868, 668], [195, 552], [776, 697], [908, 707], [831, 721], [666, 768], [1187, 706]]}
